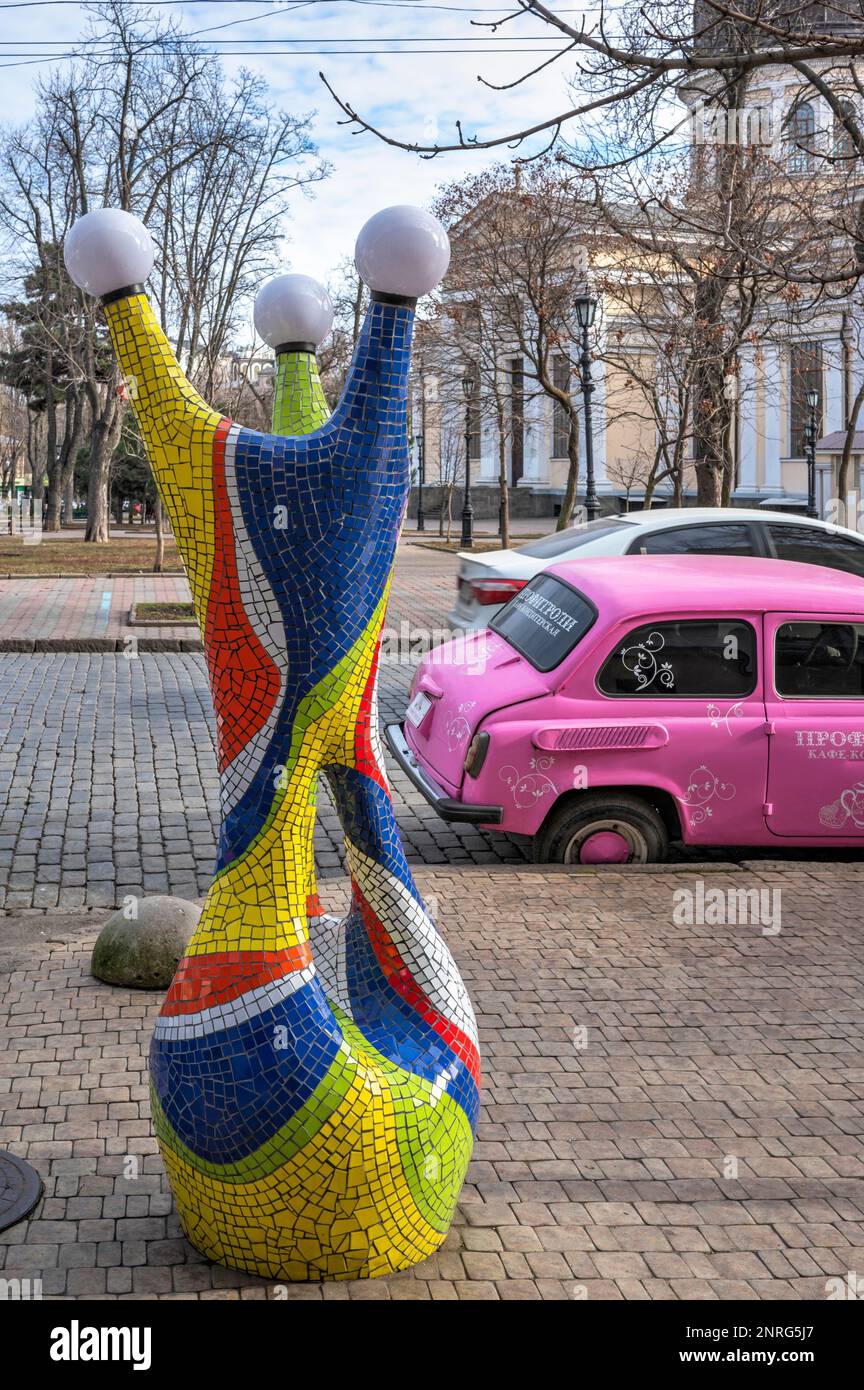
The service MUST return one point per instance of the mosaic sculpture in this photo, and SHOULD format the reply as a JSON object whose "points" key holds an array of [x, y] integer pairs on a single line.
{"points": [[315, 1082]]}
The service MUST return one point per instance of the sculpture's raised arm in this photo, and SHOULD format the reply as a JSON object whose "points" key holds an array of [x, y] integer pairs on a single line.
{"points": [[109, 253]]}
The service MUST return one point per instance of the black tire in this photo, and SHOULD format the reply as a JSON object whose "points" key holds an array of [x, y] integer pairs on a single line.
{"points": [[568, 826]]}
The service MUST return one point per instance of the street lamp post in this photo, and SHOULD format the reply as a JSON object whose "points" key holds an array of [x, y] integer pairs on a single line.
{"points": [[467, 541], [586, 308], [421, 478], [812, 405]]}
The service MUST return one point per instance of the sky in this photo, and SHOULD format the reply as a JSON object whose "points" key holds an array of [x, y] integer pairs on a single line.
{"points": [[378, 55]]}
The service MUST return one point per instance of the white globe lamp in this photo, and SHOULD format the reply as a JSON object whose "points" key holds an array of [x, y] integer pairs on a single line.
{"points": [[402, 251], [108, 250], [293, 312]]}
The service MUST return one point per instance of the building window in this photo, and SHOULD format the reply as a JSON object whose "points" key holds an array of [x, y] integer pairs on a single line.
{"points": [[805, 362], [561, 374], [800, 137], [517, 419]]}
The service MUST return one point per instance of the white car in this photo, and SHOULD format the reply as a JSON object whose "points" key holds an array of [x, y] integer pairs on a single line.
{"points": [[486, 582]]}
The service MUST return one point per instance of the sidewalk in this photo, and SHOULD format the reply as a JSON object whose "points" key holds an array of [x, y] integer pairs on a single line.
{"points": [[90, 614], [668, 1112]]}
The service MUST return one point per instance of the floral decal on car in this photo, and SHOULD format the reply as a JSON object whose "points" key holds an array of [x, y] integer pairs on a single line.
{"points": [[641, 661], [457, 727], [716, 715], [704, 786], [529, 787]]}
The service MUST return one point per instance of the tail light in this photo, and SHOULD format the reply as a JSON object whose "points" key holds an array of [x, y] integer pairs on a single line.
{"points": [[486, 591], [476, 755]]}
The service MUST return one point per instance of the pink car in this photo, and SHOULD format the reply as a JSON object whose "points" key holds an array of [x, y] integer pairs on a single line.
{"points": [[617, 704]]}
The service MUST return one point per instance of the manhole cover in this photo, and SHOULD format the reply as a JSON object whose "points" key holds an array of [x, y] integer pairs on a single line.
{"points": [[20, 1189]]}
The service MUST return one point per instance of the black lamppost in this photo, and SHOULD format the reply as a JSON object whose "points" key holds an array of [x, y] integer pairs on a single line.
{"points": [[421, 478], [467, 541], [586, 308], [812, 406]]}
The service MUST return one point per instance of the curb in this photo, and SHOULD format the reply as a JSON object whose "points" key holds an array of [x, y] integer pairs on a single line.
{"points": [[104, 574], [127, 646]]}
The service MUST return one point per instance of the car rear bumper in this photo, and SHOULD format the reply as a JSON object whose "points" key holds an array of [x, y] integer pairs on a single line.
{"points": [[446, 806]]}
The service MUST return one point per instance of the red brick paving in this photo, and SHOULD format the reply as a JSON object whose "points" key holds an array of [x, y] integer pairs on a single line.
{"points": [[83, 608]]}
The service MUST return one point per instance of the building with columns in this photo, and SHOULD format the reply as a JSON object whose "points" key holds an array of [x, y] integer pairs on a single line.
{"points": [[784, 357]]}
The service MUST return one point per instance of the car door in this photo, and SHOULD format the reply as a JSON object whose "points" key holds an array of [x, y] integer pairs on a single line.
{"points": [[698, 679], [708, 538], [815, 707]]}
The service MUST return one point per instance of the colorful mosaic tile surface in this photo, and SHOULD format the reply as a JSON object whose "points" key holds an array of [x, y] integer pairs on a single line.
{"points": [[315, 1082]]}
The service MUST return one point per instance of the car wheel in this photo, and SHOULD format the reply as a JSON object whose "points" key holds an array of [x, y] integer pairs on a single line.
{"points": [[598, 829]]}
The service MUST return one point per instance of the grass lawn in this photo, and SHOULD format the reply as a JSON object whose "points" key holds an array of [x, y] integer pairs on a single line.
{"points": [[58, 554], [150, 613]]}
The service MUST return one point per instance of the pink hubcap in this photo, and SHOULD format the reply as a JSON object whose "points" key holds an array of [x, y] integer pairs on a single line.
{"points": [[606, 847]]}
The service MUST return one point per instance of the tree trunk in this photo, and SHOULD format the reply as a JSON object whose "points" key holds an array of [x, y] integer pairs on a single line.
{"points": [[711, 412], [69, 509], [565, 516], [50, 435], [503, 491], [104, 437], [159, 562], [61, 467], [678, 480]]}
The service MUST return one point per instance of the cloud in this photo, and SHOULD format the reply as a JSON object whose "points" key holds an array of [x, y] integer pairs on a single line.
{"points": [[416, 96]]}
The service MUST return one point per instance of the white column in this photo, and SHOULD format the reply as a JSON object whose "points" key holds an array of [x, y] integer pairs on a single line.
{"points": [[747, 431], [832, 349], [774, 364], [535, 446], [598, 402]]}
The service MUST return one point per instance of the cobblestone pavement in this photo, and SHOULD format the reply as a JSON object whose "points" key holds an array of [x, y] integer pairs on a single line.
{"points": [[700, 1139], [108, 783]]}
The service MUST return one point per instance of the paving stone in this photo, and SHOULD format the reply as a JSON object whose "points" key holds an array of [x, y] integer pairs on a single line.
{"points": [[517, 1234]]}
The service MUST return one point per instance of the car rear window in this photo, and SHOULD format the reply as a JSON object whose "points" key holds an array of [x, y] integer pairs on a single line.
{"points": [[562, 541], [720, 538], [810, 546], [544, 621]]}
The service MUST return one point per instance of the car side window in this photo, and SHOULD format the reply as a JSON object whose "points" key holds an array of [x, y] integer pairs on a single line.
{"points": [[822, 661], [718, 538], [810, 546], [691, 658]]}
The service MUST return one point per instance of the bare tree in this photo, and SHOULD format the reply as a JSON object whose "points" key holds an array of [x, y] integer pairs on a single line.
{"points": [[641, 52], [519, 253], [628, 473], [145, 121], [349, 297]]}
